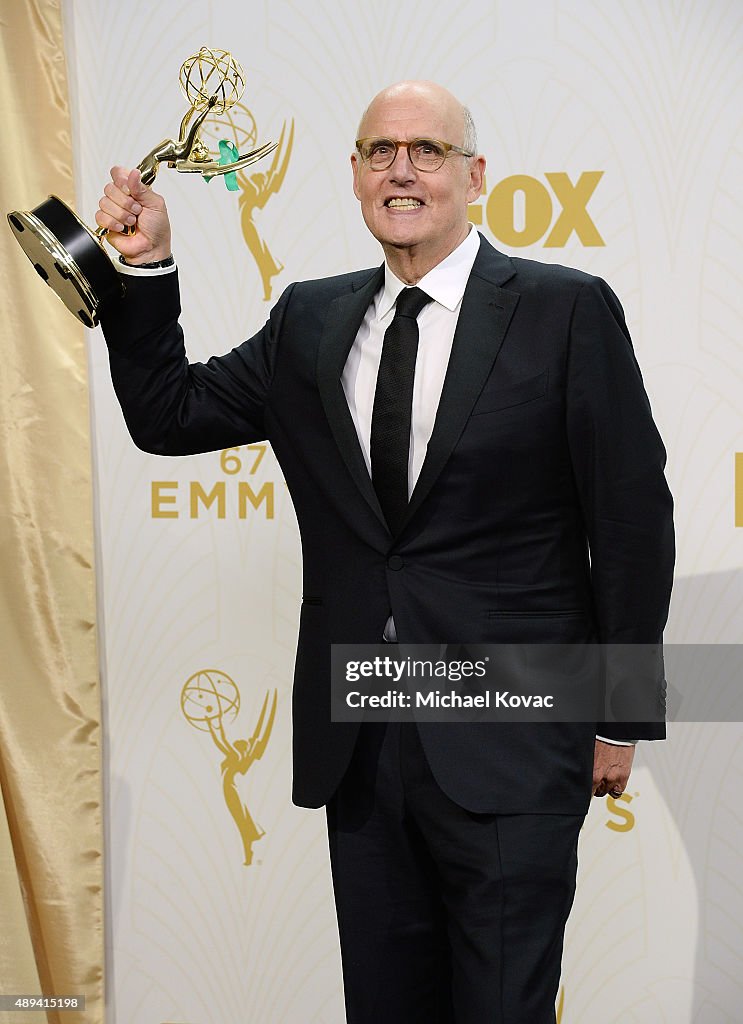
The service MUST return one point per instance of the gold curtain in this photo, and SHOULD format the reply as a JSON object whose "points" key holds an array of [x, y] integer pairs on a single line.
{"points": [[51, 888]]}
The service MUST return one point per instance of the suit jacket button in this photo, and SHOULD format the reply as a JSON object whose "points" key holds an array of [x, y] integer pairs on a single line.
{"points": [[395, 562]]}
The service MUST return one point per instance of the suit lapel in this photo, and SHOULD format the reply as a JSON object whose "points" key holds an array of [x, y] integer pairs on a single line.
{"points": [[344, 318], [481, 328]]}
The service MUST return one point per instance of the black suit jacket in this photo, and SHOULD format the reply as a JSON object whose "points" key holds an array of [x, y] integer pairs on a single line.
{"points": [[541, 513]]}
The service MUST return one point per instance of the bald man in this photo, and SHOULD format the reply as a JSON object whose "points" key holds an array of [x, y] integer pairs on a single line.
{"points": [[502, 483]]}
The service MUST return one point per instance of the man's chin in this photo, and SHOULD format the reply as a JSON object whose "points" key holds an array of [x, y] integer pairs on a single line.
{"points": [[400, 239]]}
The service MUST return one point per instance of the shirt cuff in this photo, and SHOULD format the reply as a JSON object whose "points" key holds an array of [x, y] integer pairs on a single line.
{"points": [[131, 271], [618, 743]]}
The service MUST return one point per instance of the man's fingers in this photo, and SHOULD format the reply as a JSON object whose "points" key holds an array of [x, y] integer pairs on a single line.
{"points": [[602, 789], [129, 182], [615, 786], [116, 203], [121, 214], [120, 176], [612, 783], [117, 208], [122, 199], [105, 220]]}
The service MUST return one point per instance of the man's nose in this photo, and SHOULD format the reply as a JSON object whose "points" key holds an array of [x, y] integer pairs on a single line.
{"points": [[401, 169]]}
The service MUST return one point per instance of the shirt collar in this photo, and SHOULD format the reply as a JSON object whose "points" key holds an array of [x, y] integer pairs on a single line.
{"points": [[445, 283]]}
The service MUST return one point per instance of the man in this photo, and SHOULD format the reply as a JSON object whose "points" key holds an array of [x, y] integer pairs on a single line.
{"points": [[534, 509]]}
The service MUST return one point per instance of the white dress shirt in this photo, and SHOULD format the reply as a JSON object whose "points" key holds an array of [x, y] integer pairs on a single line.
{"points": [[436, 324]]}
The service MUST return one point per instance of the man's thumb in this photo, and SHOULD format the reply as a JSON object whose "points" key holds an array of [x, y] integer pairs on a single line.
{"points": [[134, 183]]}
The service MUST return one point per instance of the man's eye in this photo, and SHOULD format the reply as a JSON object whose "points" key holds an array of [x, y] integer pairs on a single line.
{"points": [[427, 148], [381, 149]]}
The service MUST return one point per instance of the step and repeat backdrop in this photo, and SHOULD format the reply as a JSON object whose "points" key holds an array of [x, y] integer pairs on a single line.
{"points": [[615, 144]]}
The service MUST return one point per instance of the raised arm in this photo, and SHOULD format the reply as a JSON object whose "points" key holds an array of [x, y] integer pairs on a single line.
{"points": [[172, 407]]}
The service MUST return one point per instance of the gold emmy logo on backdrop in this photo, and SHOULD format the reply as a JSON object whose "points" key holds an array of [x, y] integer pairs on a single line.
{"points": [[209, 699], [68, 255], [257, 188], [619, 807]]}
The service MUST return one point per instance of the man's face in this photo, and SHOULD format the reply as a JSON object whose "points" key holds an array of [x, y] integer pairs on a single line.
{"points": [[435, 222]]}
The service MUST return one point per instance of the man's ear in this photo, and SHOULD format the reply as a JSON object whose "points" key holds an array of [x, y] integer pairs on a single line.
{"points": [[477, 177], [355, 163]]}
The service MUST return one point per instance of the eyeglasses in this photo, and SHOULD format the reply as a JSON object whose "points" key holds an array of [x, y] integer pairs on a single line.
{"points": [[424, 154]]}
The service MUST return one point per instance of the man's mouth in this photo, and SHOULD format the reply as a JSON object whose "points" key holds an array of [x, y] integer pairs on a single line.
{"points": [[403, 204]]}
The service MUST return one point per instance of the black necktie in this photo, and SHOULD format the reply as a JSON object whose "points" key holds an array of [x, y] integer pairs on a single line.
{"points": [[393, 405]]}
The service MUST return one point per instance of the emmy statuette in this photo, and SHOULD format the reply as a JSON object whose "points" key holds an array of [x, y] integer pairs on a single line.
{"points": [[68, 255]]}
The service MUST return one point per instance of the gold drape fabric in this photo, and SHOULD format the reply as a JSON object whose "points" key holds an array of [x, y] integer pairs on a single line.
{"points": [[51, 891]]}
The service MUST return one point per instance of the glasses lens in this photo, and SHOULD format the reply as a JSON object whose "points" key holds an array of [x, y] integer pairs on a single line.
{"points": [[379, 153], [426, 154]]}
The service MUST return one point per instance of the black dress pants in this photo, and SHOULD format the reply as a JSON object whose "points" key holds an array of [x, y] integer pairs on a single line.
{"points": [[444, 915]]}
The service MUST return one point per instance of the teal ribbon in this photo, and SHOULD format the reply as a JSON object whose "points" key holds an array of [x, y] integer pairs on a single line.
{"points": [[228, 153]]}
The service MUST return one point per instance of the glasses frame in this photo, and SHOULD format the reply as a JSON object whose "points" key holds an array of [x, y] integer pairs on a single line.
{"points": [[448, 148]]}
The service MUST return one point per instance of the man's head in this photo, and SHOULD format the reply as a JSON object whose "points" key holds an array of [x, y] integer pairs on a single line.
{"points": [[418, 215]]}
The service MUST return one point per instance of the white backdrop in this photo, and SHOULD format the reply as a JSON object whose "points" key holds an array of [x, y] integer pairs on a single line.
{"points": [[624, 123]]}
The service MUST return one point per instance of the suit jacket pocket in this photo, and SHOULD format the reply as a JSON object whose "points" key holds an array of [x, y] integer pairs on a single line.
{"points": [[520, 393], [540, 626]]}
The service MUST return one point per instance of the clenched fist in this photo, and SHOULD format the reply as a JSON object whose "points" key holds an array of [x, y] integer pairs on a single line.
{"points": [[127, 202]]}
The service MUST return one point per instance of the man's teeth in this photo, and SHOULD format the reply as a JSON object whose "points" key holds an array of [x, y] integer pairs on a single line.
{"points": [[409, 203]]}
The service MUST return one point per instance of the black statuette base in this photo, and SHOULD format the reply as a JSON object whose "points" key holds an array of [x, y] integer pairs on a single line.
{"points": [[69, 257]]}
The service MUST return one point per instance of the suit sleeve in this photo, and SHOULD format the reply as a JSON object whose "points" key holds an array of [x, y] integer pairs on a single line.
{"points": [[172, 407], [618, 462]]}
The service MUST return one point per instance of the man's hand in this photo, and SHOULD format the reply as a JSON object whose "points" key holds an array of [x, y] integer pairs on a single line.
{"points": [[611, 767], [126, 201]]}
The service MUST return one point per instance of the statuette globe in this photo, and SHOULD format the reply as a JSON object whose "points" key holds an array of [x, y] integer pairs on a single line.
{"points": [[211, 73]]}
